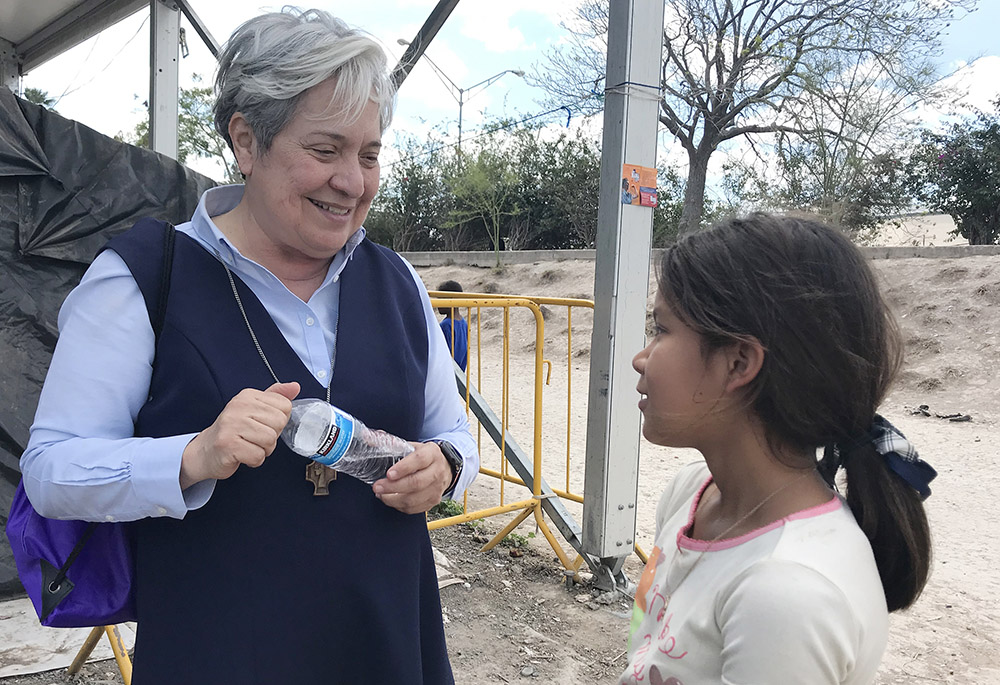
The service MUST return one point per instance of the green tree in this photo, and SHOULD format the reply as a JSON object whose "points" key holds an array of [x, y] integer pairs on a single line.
{"points": [[840, 185], [39, 97], [413, 203], [485, 189], [573, 178], [749, 68], [522, 187], [558, 187], [958, 172], [552, 203], [196, 135]]}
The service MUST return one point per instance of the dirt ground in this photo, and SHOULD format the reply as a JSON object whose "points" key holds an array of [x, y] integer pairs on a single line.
{"points": [[511, 619]]}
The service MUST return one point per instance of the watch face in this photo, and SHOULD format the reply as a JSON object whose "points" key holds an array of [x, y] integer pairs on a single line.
{"points": [[454, 460], [450, 453]]}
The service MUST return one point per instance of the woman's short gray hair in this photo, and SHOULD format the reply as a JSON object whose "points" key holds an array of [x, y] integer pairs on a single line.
{"points": [[271, 60]]}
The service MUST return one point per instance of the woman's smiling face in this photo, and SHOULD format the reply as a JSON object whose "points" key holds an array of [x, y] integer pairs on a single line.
{"points": [[311, 191]]}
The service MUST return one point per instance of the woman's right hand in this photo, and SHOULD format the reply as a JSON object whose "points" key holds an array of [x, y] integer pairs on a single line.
{"points": [[246, 432]]}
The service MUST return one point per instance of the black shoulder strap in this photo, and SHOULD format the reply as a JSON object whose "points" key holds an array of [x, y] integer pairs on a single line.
{"points": [[166, 267], [148, 251]]}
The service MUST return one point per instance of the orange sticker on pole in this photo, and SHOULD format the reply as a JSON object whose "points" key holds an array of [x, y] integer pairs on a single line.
{"points": [[638, 185]]}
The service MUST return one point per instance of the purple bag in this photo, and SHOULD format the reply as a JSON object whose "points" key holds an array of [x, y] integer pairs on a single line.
{"points": [[77, 574], [80, 574]]}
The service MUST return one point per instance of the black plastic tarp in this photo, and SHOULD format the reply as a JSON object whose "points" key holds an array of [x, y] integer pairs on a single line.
{"points": [[65, 190]]}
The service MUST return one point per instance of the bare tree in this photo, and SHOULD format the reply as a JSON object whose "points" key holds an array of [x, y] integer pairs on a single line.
{"points": [[844, 163], [518, 233], [457, 237], [736, 68]]}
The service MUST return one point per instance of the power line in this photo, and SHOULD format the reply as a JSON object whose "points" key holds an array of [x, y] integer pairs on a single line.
{"points": [[86, 59], [105, 67], [493, 129]]}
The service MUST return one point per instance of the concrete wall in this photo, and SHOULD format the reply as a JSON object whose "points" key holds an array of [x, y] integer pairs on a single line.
{"points": [[488, 259]]}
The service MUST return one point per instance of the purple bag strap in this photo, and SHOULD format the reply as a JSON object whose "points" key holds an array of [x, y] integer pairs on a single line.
{"points": [[51, 589]]}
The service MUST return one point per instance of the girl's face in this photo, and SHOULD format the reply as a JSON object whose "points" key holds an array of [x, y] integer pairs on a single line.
{"points": [[682, 389]]}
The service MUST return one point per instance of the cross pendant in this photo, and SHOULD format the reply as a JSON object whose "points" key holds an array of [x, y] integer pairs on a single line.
{"points": [[320, 476]]}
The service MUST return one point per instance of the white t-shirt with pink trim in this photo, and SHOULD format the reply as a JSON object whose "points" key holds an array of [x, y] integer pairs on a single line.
{"points": [[796, 602]]}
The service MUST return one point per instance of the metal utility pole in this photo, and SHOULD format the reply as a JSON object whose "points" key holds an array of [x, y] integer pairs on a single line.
{"points": [[621, 283], [454, 88]]}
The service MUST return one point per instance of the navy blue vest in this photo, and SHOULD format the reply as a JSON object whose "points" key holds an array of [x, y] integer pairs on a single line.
{"points": [[267, 583]]}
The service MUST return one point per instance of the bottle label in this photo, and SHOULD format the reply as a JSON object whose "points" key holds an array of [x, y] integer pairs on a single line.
{"points": [[338, 439]]}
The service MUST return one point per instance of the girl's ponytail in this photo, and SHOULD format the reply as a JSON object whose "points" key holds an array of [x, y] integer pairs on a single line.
{"points": [[886, 483]]}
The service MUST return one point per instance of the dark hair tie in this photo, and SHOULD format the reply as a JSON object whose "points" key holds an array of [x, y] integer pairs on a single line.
{"points": [[900, 456]]}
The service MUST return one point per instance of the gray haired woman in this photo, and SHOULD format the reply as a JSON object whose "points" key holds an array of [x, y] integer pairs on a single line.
{"points": [[251, 566]]}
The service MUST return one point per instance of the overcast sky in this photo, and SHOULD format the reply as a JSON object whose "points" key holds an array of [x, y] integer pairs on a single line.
{"points": [[104, 81]]}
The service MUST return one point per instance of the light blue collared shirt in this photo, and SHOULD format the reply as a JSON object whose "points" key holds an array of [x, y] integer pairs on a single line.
{"points": [[82, 461]]}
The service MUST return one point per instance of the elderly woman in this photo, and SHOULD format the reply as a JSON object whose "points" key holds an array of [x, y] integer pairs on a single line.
{"points": [[243, 574]]}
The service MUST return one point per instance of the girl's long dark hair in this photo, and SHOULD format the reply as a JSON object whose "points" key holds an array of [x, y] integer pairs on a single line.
{"points": [[809, 296]]}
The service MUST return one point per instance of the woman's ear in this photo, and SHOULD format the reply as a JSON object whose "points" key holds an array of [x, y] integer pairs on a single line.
{"points": [[745, 358], [244, 143]]}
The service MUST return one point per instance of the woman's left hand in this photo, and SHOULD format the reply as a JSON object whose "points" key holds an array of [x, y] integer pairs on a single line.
{"points": [[416, 482]]}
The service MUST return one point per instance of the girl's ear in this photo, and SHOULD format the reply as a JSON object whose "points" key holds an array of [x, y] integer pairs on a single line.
{"points": [[745, 358], [244, 143]]}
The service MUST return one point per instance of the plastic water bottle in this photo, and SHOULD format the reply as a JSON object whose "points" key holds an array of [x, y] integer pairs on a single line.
{"points": [[324, 433]]}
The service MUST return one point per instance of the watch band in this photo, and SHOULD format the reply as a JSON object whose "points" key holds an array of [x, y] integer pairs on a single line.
{"points": [[455, 461]]}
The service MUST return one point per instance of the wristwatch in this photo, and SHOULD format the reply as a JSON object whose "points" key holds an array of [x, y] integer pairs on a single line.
{"points": [[455, 461]]}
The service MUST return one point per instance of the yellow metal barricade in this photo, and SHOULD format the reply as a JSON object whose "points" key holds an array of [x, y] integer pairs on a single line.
{"points": [[117, 647], [474, 306]]}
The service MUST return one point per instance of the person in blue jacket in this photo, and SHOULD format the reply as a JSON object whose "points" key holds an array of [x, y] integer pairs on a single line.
{"points": [[455, 327], [627, 195], [245, 571]]}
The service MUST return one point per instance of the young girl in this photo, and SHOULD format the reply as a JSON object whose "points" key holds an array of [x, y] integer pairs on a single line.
{"points": [[772, 341]]}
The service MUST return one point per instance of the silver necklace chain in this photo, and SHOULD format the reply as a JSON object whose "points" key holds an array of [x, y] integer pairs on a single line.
{"points": [[260, 350], [722, 535]]}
